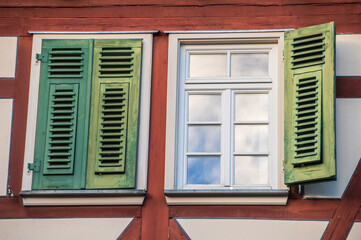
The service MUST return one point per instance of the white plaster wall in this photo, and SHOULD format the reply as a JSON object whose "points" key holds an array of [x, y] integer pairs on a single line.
{"points": [[355, 232], [6, 111], [63, 228], [230, 229], [348, 149], [348, 55], [8, 49]]}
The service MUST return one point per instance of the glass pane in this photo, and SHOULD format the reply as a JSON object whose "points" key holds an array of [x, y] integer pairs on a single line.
{"points": [[205, 108], [250, 170], [249, 64], [251, 138], [204, 139], [208, 65], [203, 170], [251, 107]]}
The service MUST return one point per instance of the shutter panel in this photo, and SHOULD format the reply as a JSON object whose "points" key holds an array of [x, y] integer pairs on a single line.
{"points": [[310, 105], [63, 110], [114, 114]]}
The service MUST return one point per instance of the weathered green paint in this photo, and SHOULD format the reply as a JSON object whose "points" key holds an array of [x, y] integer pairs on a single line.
{"points": [[61, 129], [56, 58], [306, 118], [112, 122], [315, 58], [116, 65]]}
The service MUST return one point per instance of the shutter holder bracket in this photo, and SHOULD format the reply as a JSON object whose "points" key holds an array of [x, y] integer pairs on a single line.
{"points": [[34, 166], [41, 57]]}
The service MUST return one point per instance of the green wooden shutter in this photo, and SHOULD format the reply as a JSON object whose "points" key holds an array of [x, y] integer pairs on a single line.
{"points": [[63, 114], [113, 135], [310, 105]]}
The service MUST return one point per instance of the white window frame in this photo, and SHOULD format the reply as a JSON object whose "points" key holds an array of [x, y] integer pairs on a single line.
{"points": [[176, 192], [99, 197]]}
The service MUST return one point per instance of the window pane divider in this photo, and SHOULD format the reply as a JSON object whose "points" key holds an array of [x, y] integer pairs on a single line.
{"points": [[204, 123], [204, 154], [250, 123], [251, 154], [208, 80]]}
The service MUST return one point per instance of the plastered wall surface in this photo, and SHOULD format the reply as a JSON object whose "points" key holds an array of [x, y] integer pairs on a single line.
{"points": [[6, 111], [63, 228], [229, 229], [8, 49]]}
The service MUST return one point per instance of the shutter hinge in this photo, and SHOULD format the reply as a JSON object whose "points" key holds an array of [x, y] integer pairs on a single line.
{"points": [[34, 166], [10, 192], [42, 57], [283, 55]]}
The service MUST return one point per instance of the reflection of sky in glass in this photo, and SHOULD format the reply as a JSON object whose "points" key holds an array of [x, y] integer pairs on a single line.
{"points": [[208, 65], [251, 107], [250, 170], [204, 108], [251, 138], [249, 64], [203, 170], [204, 139]]}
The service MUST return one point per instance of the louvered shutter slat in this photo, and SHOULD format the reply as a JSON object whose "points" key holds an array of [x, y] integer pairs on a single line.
{"points": [[60, 157], [62, 123], [307, 118], [114, 114], [309, 105], [111, 153]]}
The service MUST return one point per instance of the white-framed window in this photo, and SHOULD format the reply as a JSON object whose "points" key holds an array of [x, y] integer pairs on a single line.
{"points": [[91, 196], [224, 113]]}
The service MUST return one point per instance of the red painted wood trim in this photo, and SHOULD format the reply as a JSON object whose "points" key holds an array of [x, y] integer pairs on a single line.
{"points": [[348, 87], [180, 3], [176, 11], [13, 208], [175, 233], [295, 209], [347, 210], [132, 232], [345, 23], [7, 88], [22, 80], [358, 216], [155, 210]]}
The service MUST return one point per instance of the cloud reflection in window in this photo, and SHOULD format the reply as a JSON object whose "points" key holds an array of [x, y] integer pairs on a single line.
{"points": [[249, 65], [251, 107], [251, 138], [204, 139], [251, 170], [208, 65], [203, 170], [205, 107]]}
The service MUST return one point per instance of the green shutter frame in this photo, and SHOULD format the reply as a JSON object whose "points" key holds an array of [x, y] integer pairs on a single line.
{"points": [[310, 152], [113, 134], [63, 114]]}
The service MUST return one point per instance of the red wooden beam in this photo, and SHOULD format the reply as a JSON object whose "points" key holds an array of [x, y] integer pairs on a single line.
{"points": [[132, 232], [348, 87], [155, 210], [347, 210], [7, 88], [295, 209], [175, 233]]}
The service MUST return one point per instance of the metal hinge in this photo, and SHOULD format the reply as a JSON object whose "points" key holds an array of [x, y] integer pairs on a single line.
{"points": [[283, 55], [42, 57], [10, 192], [34, 166]]}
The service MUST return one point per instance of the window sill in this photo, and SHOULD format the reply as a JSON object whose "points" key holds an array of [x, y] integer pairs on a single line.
{"points": [[82, 197], [229, 197]]}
